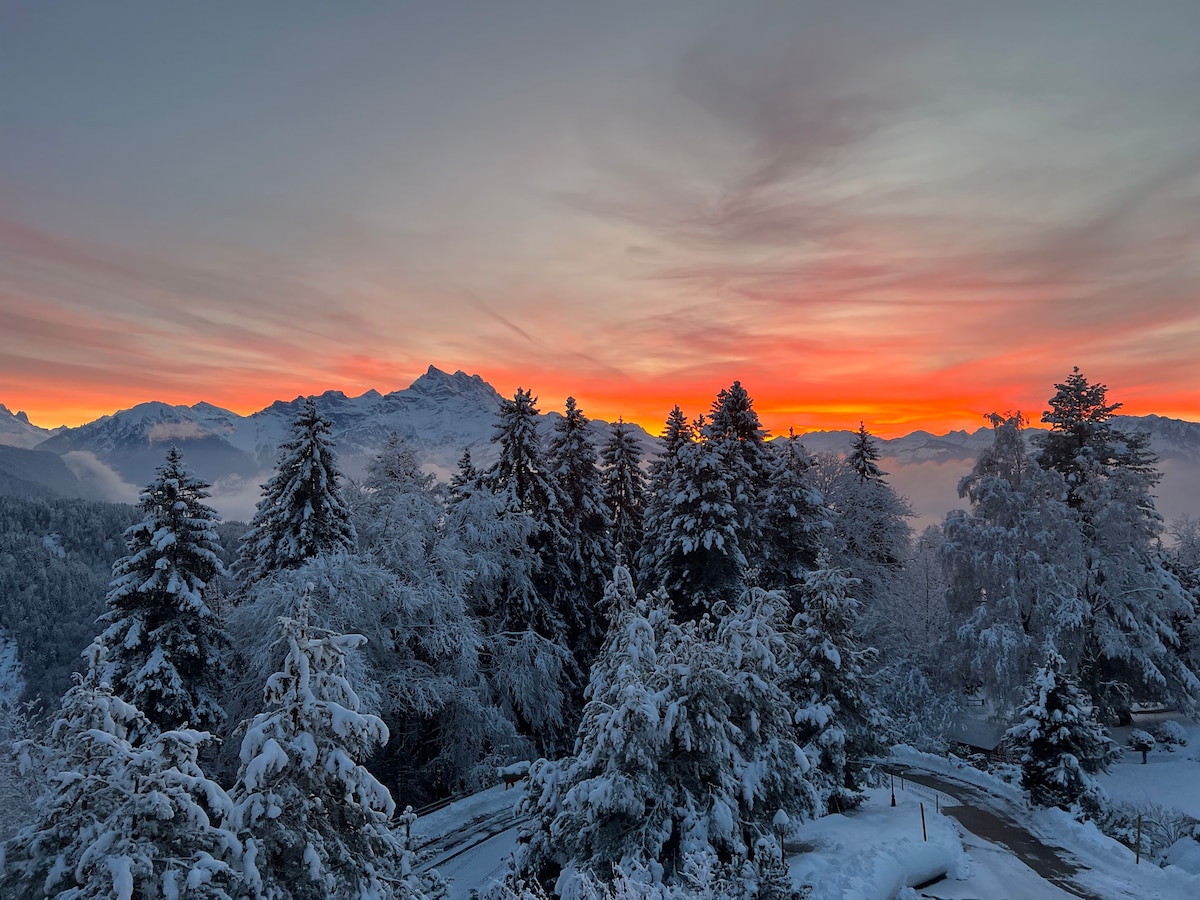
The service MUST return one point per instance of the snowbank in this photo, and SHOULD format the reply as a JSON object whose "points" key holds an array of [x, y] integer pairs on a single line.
{"points": [[876, 851]]}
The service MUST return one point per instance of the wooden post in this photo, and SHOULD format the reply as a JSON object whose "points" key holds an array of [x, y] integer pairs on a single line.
{"points": [[937, 802], [924, 833], [1137, 859], [893, 789]]}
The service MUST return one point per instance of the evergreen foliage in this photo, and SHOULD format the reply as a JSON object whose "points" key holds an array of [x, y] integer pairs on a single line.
{"points": [[574, 468], [734, 425], [302, 513], [686, 750], [836, 718], [1062, 747], [794, 520], [121, 819], [537, 628], [165, 645], [677, 436], [698, 558], [864, 457], [1016, 567], [1081, 432], [317, 820], [56, 561], [1131, 645], [624, 486]]}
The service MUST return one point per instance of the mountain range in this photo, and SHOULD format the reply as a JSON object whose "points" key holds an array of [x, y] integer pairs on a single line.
{"points": [[440, 415]]}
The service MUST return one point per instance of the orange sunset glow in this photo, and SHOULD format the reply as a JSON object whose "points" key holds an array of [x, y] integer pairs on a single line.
{"points": [[908, 219]]}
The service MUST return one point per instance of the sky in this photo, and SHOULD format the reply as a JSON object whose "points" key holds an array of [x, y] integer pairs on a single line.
{"points": [[908, 214]]}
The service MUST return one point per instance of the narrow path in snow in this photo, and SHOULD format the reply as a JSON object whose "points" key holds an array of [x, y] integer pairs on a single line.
{"points": [[993, 825]]}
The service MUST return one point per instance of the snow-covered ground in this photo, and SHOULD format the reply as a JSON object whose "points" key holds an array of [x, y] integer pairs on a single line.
{"points": [[1168, 778], [878, 851]]}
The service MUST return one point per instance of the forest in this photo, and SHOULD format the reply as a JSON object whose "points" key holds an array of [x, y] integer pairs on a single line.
{"points": [[692, 650]]}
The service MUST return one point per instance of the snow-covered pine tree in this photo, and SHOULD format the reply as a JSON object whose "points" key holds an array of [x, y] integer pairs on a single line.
{"points": [[1081, 432], [85, 760], [172, 834], [530, 631], [522, 473], [21, 728], [698, 557], [302, 512], [864, 456], [1131, 645], [794, 519], [1062, 746], [657, 516], [465, 478], [870, 535], [624, 485], [165, 644], [119, 819], [735, 425], [685, 752], [1016, 567], [574, 468], [836, 718], [424, 649], [316, 821]]}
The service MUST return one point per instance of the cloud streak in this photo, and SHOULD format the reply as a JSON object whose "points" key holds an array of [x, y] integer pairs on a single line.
{"points": [[911, 217]]}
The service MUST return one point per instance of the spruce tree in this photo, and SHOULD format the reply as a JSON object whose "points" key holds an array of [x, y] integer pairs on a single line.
{"points": [[794, 520], [1062, 747], [522, 474], [574, 467], [1131, 646], [836, 718], [624, 486], [1081, 434], [698, 557], [85, 760], [685, 755], [165, 644], [734, 426], [864, 456], [316, 819], [121, 818], [302, 513], [658, 514], [1016, 567]]}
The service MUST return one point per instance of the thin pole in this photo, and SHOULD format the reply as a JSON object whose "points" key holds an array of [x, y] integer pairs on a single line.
{"points": [[893, 789], [924, 833], [1137, 859]]}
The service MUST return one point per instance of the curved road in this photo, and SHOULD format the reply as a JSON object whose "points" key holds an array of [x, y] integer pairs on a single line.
{"points": [[977, 813]]}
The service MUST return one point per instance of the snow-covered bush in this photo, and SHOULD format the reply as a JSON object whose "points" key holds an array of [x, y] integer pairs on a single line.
{"points": [[1141, 742], [1161, 826], [1171, 734]]}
